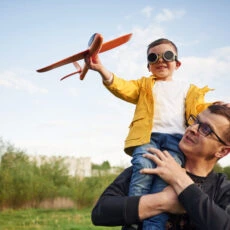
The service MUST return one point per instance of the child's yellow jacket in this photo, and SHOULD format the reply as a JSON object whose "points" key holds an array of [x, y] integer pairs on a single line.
{"points": [[139, 92]]}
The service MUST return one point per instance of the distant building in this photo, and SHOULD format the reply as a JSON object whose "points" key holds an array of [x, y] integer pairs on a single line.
{"points": [[80, 167]]}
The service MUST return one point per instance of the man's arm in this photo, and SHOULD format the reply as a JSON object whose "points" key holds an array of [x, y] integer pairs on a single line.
{"points": [[154, 204], [115, 208], [203, 210]]}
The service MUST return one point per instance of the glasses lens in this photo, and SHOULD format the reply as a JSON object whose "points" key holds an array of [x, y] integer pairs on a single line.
{"points": [[152, 58], [205, 129], [91, 40], [169, 56]]}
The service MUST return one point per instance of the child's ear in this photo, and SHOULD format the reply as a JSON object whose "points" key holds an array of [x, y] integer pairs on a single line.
{"points": [[178, 64], [148, 67]]}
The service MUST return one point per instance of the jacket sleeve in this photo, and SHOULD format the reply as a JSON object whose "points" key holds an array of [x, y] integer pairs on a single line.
{"points": [[203, 211], [195, 100], [127, 90], [114, 207]]}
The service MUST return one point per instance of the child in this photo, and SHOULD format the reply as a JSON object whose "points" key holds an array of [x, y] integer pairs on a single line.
{"points": [[162, 107]]}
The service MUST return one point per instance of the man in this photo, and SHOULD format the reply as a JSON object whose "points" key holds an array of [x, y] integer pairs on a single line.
{"points": [[197, 197]]}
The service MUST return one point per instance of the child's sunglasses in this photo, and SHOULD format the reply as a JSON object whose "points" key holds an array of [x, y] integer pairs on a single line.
{"points": [[167, 56]]}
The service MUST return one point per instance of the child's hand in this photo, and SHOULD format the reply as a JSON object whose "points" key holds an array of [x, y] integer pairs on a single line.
{"points": [[93, 63]]}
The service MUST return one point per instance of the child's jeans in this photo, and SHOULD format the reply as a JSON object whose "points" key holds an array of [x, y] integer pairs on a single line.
{"points": [[144, 183]]}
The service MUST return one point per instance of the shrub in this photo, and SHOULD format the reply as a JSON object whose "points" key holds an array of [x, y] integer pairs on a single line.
{"points": [[25, 183]]}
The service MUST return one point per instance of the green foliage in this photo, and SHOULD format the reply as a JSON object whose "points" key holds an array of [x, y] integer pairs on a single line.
{"points": [[40, 219], [226, 170], [104, 166], [218, 168], [88, 190], [25, 183], [15, 179]]}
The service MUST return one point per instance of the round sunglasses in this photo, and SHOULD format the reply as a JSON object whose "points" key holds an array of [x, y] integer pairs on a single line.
{"points": [[167, 56]]}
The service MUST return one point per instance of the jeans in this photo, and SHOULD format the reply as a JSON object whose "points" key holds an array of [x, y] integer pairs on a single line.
{"points": [[142, 184]]}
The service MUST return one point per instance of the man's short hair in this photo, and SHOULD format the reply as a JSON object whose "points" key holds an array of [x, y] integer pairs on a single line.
{"points": [[222, 110]]}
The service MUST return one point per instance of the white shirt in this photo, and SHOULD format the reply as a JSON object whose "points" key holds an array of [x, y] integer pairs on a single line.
{"points": [[169, 106]]}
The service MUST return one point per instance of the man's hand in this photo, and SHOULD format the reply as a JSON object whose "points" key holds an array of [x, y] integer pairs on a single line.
{"points": [[168, 169]]}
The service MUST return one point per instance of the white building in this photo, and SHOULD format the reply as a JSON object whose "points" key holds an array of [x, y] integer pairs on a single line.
{"points": [[80, 167]]}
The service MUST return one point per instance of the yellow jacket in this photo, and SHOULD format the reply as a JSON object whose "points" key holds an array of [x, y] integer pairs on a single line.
{"points": [[139, 92]]}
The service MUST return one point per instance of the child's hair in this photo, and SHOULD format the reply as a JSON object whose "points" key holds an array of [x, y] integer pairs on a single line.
{"points": [[161, 41]]}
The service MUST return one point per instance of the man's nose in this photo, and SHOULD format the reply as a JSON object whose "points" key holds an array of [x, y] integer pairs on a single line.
{"points": [[194, 128]]}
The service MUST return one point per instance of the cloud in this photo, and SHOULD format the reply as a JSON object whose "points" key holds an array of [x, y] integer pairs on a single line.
{"points": [[169, 15], [147, 11], [222, 53], [56, 123], [17, 81], [205, 68]]}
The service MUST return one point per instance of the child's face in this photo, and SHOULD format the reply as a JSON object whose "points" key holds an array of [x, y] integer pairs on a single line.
{"points": [[163, 70]]}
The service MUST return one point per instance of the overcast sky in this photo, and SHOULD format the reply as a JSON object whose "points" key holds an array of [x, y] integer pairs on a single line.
{"points": [[42, 115]]}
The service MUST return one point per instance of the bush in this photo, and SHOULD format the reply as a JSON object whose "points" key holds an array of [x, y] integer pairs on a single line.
{"points": [[88, 190], [25, 183]]}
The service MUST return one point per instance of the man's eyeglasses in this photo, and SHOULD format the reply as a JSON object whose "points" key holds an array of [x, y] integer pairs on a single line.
{"points": [[203, 128], [167, 56]]}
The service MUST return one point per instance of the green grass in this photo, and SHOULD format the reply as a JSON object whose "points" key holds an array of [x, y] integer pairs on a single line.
{"points": [[41, 219]]}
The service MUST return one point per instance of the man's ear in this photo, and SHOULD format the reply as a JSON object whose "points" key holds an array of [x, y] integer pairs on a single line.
{"points": [[224, 151]]}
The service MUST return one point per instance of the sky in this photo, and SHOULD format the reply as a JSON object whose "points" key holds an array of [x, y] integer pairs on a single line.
{"points": [[42, 115]]}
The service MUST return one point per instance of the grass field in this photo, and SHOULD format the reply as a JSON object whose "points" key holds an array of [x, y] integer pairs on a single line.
{"points": [[41, 219]]}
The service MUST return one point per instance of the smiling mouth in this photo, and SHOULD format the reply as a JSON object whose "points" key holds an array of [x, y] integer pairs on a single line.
{"points": [[189, 139], [161, 67]]}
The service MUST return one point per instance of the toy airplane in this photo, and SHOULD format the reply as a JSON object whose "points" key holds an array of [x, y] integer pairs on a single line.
{"points": [[96, 46]]}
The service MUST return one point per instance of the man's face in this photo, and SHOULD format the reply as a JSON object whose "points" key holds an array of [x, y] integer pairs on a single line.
{"points": [[196, 146]]}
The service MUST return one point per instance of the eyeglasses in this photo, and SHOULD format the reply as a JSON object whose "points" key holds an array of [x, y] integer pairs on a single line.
{"points": [[167, 56], [203, 128]]}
